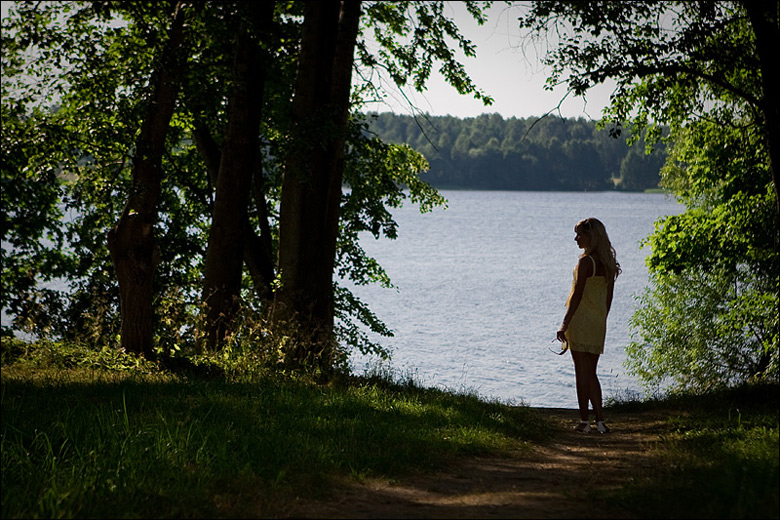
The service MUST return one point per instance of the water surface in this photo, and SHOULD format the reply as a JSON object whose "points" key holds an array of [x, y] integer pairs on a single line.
{"points": [[481, 289]]}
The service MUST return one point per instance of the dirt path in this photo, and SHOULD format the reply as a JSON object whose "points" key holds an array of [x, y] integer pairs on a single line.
{"points": [[547, 483]]}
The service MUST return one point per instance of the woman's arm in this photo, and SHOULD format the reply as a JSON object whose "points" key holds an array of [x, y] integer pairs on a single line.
{"points": [[610, 292]]}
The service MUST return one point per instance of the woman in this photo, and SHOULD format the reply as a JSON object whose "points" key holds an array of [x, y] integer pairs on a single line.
{"points": [[585, 325]]}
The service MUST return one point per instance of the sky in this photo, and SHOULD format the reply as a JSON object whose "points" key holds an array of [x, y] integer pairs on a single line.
{"points": [[504, 69]]}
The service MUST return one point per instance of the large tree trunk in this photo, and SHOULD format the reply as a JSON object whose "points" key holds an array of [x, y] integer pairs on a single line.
{"points": [[238, 160], [131, 242], [311, 189], [258, 256], [764, 18]]}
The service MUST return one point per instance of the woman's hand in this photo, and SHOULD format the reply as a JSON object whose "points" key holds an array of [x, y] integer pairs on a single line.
{"points": [[561, 335]]}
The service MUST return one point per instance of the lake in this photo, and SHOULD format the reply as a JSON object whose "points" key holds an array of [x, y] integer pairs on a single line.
{"points": [[481, 289]]}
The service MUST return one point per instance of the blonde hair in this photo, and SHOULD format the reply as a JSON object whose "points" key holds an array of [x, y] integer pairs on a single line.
{"points": [[600, 247]]}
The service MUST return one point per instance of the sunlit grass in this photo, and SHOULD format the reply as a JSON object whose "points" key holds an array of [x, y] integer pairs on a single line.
{"points": [[106, 440], [100, 434]]}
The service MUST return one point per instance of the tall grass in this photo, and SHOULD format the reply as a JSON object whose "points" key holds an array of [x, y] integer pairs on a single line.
{"points": [[99, 434], [102, 439]]}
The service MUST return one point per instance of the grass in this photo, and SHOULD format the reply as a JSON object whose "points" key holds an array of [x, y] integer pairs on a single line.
{"points": [[88, 434], [107, 439], [720, 458]]}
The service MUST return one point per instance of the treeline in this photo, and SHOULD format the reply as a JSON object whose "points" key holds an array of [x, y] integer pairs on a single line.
{"points": [[551, 153]]}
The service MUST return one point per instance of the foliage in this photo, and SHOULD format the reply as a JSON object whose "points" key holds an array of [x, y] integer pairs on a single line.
{"points": [[44, 357], [551, 153], [379, 177], [710, 318], [670, 61], [75, 80], [32, 252], [704, 329], [92, 100], [412, 37]]}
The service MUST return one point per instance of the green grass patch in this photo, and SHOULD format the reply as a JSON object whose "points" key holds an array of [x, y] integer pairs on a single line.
{"points": [[101, 435], [104, 435], [719, 460]]}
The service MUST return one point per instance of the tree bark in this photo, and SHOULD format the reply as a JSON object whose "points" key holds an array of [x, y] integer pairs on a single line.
{"points": [[765, 20], [238, 160], [258, 256], [311, 188], [131, 242]]}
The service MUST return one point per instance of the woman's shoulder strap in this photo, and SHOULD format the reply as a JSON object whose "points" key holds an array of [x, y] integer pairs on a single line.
{"points": [[594, 265]]}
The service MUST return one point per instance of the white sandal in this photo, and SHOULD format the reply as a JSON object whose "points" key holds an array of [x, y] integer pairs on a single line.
{"points": [[583, 427]]}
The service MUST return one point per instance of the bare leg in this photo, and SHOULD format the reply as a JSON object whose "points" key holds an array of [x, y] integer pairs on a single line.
{"points": [[582, 383], [588, 385]]}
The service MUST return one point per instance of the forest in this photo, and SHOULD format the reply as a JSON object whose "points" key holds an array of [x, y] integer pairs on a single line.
{"points": [[535, 153]]}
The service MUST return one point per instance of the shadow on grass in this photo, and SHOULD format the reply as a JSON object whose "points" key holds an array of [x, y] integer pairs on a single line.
{"points": [[201, 447]]}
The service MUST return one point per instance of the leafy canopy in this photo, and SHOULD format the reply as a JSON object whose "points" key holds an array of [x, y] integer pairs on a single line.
{"points": [[75, 82], [710, 317]]}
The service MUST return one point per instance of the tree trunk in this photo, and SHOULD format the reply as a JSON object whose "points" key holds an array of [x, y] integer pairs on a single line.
{"points": [[131, 242], [258, 256], [238, 160], [764, 20], [311, 188]]}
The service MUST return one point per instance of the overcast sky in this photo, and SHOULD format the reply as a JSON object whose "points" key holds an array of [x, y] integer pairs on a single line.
{"points": [[504, 68]]}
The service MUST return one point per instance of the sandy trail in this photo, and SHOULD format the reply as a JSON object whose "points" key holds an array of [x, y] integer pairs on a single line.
{"points": [[549, 482]]}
